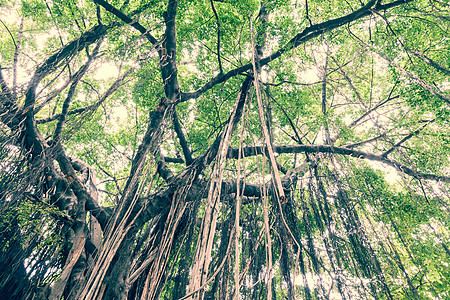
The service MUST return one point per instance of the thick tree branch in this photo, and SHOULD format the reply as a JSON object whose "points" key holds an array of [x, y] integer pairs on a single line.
{"points": [[71, 93], [79, 241], [66, 53], [168, 60], [164, 171], [128, 20], [101, 214], [218, 36], [56, 92], [31, 137], [161, 200], [257, 150], [416, 79], [429, 61], [307, 34], [174, 160], [183, 142]]}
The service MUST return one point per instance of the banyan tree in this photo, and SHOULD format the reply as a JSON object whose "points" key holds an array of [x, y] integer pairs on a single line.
{"points": [[224, 149]]}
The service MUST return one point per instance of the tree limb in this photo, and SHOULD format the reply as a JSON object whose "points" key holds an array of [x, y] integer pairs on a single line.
{"points": [[406, 73], [365, 142], [100, 213], [183, 142], [429, 61], [128, 20], [71, 93], [218, 36], [381, 103], [307, 34], [258, 150], [168, 61], [117, 84], [410, 135]]}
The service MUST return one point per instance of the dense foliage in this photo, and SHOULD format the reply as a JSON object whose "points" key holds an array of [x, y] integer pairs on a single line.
{"points": [[224, 149]]}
